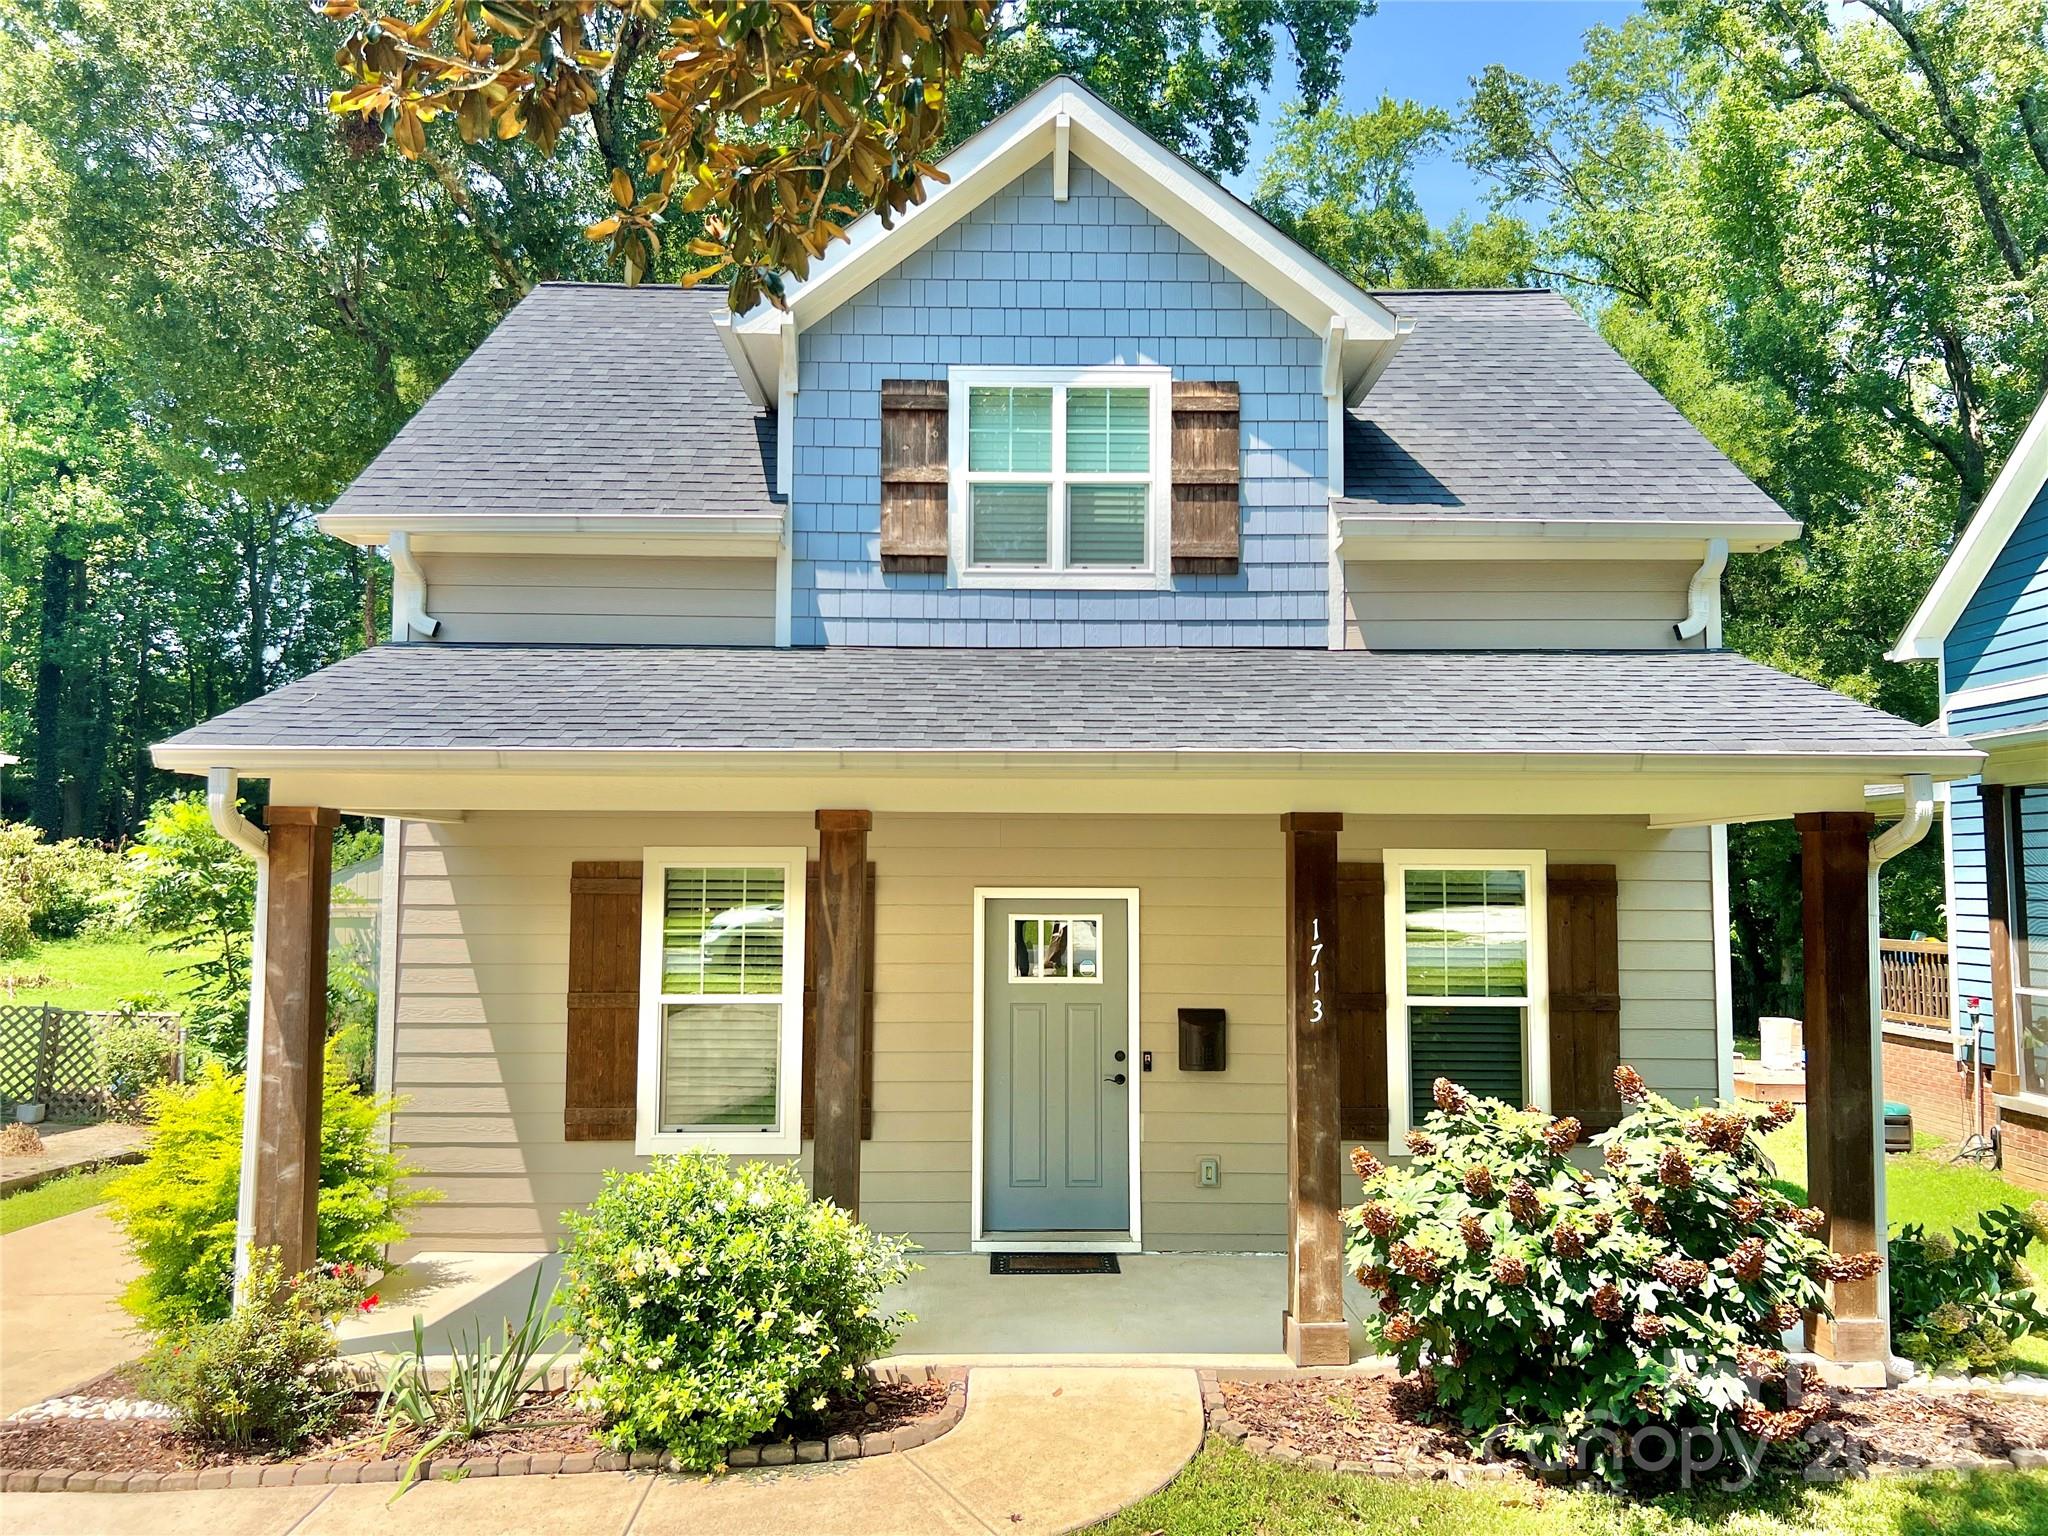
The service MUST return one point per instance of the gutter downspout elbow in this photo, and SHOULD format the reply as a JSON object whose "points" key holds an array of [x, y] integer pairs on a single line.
{"points": [[1894, 840], [221, 785], [1702, 594], [408, 591]]}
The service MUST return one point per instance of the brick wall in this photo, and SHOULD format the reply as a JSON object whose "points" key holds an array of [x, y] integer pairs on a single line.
{"points": [[1923, 1073], [2024, 1141], [1024, 280]]}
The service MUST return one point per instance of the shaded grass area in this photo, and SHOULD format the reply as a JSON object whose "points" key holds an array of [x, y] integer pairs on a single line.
{"points": [[56, 1197], [89, 973], [1924, 1186], [1227, 1491]]}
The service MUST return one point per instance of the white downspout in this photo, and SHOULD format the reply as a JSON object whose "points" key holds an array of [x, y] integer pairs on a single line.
{"points": [[1703, 597], [1892, 841], [221, 785], [408, 591]]}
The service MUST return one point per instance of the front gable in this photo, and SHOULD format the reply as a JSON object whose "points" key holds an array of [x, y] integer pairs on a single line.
{"points": [[1027, 280]]}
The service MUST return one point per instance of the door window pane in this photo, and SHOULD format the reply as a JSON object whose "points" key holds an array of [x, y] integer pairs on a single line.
{"points": [[1009, 429], [721, 932], [1109, 431], [1007, 525], [1467, 932], [719, 1065], [1055, 948], [1106, 525]]}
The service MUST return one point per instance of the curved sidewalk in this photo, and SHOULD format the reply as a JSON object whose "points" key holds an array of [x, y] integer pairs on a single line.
{"points": [[1040, 1450]]}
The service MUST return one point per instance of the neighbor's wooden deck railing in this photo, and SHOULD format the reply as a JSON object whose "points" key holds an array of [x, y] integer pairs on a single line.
{"points": [[1915, 973]]}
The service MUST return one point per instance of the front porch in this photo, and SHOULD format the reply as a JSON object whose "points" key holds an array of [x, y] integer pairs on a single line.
{"points": [[1210, 1310]]}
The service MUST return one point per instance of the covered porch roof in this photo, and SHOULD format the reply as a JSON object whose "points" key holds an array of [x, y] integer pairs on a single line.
{"points": [[1674, 736]]}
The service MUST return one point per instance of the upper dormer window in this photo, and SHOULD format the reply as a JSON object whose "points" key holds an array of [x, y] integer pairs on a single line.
{"points": [[1059, 477]]}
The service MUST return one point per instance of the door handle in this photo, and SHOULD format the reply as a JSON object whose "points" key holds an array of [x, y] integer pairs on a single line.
{"points": [[1119, 1079]]}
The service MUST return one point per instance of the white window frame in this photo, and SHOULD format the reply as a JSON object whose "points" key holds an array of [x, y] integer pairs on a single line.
{"points": [[1535, 1006], [1156, 572], [1064, 916], [2015, 917], [786, 1135]]}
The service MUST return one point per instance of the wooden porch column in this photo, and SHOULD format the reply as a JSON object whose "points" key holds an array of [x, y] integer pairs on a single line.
{"points": [[2005, 1014], [842, 927], [287, 1194], [1842, 1079], [1313, 1327]]}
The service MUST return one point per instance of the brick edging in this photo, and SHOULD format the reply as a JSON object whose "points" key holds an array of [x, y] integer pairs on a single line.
{"points": [[1217, 1424], [302, 1474]]}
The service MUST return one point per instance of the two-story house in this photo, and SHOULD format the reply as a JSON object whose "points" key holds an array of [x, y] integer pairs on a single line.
{"points": [[1064, 729], [1985, 624]]}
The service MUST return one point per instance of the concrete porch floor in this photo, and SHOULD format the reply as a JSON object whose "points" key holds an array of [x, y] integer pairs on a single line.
{"points": [[1210, 1310]]}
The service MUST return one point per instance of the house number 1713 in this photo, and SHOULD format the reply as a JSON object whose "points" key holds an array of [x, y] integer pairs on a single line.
{"points": [[1315, 970]]}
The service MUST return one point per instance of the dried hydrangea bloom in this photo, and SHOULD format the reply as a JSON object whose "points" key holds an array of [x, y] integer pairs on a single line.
{"points": [[1628, 1082], [1450, 1098], [1474, 1232], [1509, 1270], [1479, 1182], [1562, 1134]]}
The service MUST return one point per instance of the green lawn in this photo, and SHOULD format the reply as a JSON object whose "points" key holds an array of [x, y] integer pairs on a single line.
{"points": [[1924, 1186], [88, 973], [1227, 1491], [58, 1197]]}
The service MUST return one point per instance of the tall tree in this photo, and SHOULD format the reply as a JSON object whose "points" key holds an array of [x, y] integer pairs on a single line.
{"points": [[1189, 72], [1825, 238], [1343, 184]]}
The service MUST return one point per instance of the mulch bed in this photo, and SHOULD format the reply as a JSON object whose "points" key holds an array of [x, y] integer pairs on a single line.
{"points": [[547, 1422], [1391, 1425]]}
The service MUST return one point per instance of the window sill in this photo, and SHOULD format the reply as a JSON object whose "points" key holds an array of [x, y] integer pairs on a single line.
{"points": [[1061, 581], [736, 1143], [2033, 1105]]}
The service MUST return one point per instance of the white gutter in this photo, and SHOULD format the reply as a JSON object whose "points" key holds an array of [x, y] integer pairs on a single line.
{"points": [[1888, 844], [1703, 597], [221, 784], [408, 591]]}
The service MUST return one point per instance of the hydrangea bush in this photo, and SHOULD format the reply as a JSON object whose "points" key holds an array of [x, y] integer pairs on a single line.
{"points": [[716, 1299], [1964, 1299], [1558, 1308]]}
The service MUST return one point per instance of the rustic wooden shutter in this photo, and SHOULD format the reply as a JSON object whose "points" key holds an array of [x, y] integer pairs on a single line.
{"points": [[1205, 478], [1361, 1002], [1585, 993], [602, 1097], [913, 474], [867, 1012]]}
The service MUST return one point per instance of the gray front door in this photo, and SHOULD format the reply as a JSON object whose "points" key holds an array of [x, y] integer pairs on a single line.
{"points": [[1055, 1066]]}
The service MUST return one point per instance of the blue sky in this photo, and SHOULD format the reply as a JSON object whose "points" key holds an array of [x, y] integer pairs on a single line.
{"points": [[1430, 50]]}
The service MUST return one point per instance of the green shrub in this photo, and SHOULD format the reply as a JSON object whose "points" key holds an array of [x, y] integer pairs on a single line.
{"points": [[178, 1205], [1550, 1304], [131, 1056], [1964, 1299], [54, 890], [352, 1018], [717, 1299], [265, 1374], [193, 887]]}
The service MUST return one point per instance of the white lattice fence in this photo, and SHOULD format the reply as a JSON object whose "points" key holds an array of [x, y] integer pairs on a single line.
{"points": [[47, 1057]]}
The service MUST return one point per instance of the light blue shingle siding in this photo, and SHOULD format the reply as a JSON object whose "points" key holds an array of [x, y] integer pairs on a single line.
{"points": [[1025, 280], [2007, 715], [2002, 634], [1968, 934]]}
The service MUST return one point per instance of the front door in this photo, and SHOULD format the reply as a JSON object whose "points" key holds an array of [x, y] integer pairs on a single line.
{"points": [[1056, 1067]]}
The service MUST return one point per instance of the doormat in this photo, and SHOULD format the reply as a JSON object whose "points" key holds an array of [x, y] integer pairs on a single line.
{"points": [[1053, 1264]]}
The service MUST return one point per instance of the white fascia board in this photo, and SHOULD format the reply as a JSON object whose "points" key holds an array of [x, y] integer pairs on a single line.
{"points": [[742, 363], [1174, 191], [260, 761], [2009, 497], [677, 533], [1466, 536]]}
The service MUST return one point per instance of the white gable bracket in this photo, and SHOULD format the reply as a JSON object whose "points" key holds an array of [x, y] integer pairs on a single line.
{"points": [[1062, 153]]}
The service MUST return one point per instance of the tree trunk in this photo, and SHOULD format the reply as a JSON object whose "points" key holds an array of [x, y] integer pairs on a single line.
{"points": [[46, 800]]}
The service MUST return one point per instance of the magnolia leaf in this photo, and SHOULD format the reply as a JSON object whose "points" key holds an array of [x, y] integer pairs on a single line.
{"points": [[603, 229], [622, 189]]}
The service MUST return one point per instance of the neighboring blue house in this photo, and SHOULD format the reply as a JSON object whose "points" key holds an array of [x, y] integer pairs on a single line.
{"points": [[1986, 622]]}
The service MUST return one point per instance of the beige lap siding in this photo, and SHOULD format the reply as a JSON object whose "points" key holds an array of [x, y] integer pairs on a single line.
{"points": [[1406, 605], [483, 966], [601, 599]]}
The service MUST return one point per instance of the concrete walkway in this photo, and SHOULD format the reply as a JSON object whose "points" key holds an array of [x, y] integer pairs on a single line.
{"points": [[60, 1324], [1040, 1450], [69, 1147]]}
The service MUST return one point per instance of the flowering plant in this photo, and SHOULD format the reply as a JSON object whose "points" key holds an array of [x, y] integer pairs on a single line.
{"points": [[1558, 1308], [716, 1300], [1965, 1298]]}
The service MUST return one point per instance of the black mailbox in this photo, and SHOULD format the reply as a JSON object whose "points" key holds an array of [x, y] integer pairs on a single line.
{"points": [[1201, 1039]]}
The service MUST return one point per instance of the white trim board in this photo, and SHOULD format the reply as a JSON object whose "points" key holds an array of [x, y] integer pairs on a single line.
{"points": [[1062, 109], [980, 1241], [2018, 483]]}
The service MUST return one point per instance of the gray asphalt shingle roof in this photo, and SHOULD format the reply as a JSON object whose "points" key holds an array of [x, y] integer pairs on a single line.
{"points": [[509, 697], [588, 398], [1506, 403]]}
